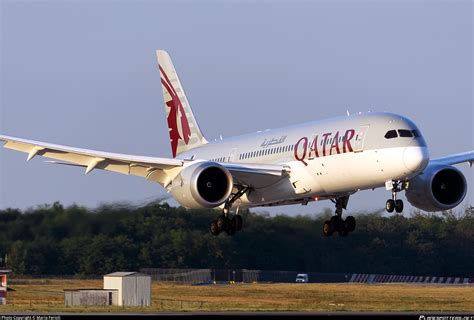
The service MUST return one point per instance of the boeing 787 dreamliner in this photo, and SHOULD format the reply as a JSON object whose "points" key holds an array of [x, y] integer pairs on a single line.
{"points": [[320, 160]]}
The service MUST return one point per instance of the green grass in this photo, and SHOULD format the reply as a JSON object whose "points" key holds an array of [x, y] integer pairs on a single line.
{"points": [[48, 296]]}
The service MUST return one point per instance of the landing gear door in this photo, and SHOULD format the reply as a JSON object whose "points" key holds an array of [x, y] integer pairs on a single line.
{"points": [[360, 138]]}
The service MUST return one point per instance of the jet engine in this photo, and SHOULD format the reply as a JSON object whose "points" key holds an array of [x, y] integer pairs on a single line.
{"points": [[439, 187], [202, 185]]}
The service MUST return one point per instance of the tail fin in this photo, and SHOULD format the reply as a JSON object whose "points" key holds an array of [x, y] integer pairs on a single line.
{"points": [[184, 130]]}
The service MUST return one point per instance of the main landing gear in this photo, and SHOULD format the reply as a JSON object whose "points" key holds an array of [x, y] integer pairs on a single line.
{"points": [[223, 222], [394, 203], [337, 224]]}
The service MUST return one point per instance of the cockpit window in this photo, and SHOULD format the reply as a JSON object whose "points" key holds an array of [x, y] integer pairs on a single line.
{"points": [[416, 133], [405, 133], [391, 134]]}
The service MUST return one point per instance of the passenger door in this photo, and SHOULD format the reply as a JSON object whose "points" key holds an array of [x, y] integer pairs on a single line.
{"points": [[360, 138]]}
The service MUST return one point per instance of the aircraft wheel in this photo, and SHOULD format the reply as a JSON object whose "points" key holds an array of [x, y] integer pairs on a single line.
{"points": [[350, 224], [222, 223], [337, 223], [398, 206], [231, 230], [328, 228], [238, 222], [214, 228], [390, 205]]}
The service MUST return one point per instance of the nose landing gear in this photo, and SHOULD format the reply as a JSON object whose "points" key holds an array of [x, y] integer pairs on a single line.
{"points": [[394, 203], [337, 224]]}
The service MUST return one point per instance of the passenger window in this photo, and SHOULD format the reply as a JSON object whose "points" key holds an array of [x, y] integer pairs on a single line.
{"points": [[391, 134], [405, 133]]}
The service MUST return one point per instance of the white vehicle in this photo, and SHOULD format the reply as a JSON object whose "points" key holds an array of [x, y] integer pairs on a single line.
{"points": [[302, 278], [320, 160]]}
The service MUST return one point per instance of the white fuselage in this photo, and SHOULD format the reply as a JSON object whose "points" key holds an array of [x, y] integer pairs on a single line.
{"points": [[326, 158]]}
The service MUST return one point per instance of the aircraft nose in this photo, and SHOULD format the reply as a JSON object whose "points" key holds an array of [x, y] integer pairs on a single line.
{"points": [[415, 158]]}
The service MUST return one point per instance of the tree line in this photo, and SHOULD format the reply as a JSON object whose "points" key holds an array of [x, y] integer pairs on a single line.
{"points": [[74, 240]]}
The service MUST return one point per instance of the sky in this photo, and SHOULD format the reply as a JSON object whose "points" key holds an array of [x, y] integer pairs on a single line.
{"points": [[84, 74]]}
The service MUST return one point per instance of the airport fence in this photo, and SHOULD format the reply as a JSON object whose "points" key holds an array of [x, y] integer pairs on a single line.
{"points": [[382, 278], [205, 276], [180, 276]]}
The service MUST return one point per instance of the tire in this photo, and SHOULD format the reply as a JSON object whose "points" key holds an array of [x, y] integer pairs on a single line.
{"points": [[337, 223], [350, 224], [238, 222], [390, 205], [399, 206], [328, 229], [222, 223], [214, 228]]}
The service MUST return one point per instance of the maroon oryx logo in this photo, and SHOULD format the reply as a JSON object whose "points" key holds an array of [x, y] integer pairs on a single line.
{"points": [[177, 122]]}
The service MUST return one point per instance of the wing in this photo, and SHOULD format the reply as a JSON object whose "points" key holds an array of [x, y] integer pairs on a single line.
{"points": [[456, 158], [150, 168]]}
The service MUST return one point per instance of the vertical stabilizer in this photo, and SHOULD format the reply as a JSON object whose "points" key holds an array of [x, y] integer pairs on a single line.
{"points": [[184, 130]]}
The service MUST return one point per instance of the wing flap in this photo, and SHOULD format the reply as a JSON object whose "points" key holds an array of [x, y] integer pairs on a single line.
{"points": [[257, 176]]}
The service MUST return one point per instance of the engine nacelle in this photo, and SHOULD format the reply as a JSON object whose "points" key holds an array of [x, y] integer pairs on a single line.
{"points": [[202, 185], [439, 187]]}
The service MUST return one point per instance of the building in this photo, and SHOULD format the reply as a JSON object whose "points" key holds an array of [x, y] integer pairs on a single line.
{"points": [[3, 286], [128, 289], [134, 289], [90, 297]]}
